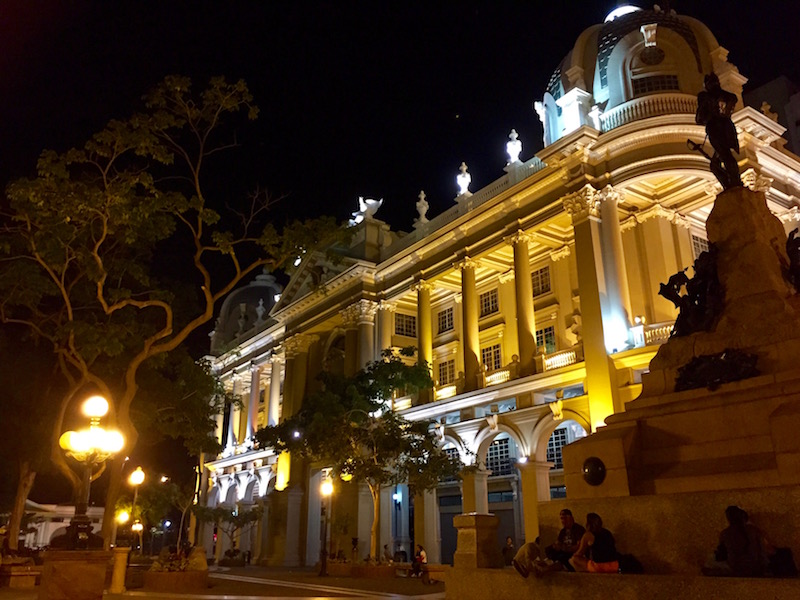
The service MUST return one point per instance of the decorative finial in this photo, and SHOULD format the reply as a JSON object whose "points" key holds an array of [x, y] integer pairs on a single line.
{"points": [[514, 147], [463, 180], [422, 210]]}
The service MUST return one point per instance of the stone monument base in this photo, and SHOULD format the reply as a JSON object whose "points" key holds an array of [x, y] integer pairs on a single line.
{"points": [[74, 574]]}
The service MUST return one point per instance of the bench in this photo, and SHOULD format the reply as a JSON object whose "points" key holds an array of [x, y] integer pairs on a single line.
{"points": [[19, 576]]}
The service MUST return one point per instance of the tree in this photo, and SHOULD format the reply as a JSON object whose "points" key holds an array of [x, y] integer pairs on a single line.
{"points": [[159, 499], [348, 426], [86, 241], [233, 522]]}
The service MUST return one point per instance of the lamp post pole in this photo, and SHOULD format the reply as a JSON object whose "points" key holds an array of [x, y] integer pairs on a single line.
{"points": [[326, 489], [136, 479]]}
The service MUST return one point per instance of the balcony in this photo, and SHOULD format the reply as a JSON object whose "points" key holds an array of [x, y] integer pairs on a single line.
{"points": [[648, 106], [657, 333]]}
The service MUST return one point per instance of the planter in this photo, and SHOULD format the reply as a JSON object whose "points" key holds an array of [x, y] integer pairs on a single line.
{"points": [[175, 581]]}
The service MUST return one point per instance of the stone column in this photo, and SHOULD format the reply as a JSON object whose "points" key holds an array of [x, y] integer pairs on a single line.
{"points": [[471, 337], [583, 206], [532, 491], [424, 330], [385, 326], [297, 352], [233, 416], [614, 257], [523, 291], [433, 530], [475, 491], [361, 315], [273, 410], [255, 392], [364, 525], [351, 355]]}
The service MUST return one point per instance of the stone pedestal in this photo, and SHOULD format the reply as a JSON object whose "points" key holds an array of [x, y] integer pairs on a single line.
{"points": [[74, 574], [477, 542]]}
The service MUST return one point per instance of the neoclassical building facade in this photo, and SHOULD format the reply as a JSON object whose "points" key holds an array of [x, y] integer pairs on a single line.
{"points": [[534, 300]]}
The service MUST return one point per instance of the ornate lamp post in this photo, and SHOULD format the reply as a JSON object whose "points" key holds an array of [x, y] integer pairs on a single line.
{"points": [[326, 489], [90, 447]]}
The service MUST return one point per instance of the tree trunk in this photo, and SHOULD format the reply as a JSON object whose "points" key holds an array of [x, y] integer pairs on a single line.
{"points": [[110, 511], [375, 490], [26, 478]]}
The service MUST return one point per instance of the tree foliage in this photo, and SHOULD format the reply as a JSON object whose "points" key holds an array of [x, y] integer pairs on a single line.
{"points": [[83, 242], [349, 426]]}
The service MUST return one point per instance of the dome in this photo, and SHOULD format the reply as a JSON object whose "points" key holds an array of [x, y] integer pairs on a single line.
{"points": [[615, 66]]}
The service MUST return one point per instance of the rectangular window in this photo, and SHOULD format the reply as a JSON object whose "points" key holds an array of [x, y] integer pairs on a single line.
{"points": [[546, 338], [699, 245], [554, 445], [654, 84], [447, 372], [490, 357], [541, 281], [405, 325], [498, 458], [488, 303], [445, 320]]}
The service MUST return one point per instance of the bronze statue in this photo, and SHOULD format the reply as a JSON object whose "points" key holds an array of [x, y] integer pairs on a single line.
{"points": [[714, 109], [702, 303], [793, 252]]}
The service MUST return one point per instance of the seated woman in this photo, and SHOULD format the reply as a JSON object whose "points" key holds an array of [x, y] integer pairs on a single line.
{"points": [[743, 550], [596, 552]]}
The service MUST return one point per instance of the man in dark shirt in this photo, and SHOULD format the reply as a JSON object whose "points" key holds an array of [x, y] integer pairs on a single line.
{"points": [[714, 109], [568, 539]]}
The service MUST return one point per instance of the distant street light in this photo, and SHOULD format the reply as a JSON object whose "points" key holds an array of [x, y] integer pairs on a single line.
{"points": [[136, 479], [137, 528], [90, 447], [326, 489]]}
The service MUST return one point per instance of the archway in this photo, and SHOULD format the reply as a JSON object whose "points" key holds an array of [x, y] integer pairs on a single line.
{"points": [[550, 437]]}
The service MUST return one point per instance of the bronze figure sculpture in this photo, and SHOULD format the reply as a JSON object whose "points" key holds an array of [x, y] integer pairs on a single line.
{"points": [[714, 109]]}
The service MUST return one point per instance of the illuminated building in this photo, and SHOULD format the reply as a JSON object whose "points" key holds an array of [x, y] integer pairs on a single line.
{"points": [[534, 298]]}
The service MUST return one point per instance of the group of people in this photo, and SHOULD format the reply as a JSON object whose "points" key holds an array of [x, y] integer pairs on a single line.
{"points": [[743, 551], [589, 549]]}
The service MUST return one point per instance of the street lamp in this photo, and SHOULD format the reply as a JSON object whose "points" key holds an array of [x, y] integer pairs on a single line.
{"points": [[90, 447], [326, 489], [137, 528], [136, 479]]}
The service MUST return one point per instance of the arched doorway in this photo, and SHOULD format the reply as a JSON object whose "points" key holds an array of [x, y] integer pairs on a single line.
{"points": [[565, 433]]}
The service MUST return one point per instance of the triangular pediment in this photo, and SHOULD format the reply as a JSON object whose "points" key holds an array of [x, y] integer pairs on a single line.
{"points": [[311, 275]]}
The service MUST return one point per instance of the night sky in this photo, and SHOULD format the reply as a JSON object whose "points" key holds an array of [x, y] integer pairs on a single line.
{"points": [[379, 99]]}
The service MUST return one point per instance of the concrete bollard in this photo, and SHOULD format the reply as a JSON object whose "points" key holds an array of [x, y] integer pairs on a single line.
{"points": [[119, 569]]}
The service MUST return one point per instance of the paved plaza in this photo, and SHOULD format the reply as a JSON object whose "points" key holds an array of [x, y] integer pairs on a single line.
{"points": [[258, 582]]}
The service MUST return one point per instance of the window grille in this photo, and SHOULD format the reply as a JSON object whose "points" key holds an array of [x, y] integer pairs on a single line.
{"points": [[699, 245], [546, 338], [498, 458], [652, 84], [490, 357], [489, 303], [445, 319], [447, 372], [405, 325], [554, 445], [541, 281]]}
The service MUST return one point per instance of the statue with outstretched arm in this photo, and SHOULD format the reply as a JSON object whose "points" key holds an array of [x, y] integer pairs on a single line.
{"points": [[714, 109]]}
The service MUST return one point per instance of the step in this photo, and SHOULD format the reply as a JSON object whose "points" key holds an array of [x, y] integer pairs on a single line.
{"points": [[717, 449]]}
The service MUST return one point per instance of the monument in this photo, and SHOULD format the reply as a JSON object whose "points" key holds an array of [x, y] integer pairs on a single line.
{"points": [[718, 419]]}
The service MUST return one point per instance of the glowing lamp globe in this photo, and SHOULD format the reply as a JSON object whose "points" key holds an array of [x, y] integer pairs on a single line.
{"points": [[95, 407], [326, 488], [137, 477], [123, 517]]}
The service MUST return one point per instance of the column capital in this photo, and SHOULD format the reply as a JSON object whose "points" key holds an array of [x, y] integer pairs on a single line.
{"points": [[533, 466], [562, 252], [466, 263], [611, 194], [582, 204], [387, 306], [422, 285], [518, 237], [361, 312], [298, 344]]}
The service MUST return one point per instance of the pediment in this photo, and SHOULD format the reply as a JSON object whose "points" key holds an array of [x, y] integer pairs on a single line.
{"points": [[313, 273]]}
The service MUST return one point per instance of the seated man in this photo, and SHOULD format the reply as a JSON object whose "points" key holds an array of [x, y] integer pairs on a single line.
{"points": [[567, 543]]}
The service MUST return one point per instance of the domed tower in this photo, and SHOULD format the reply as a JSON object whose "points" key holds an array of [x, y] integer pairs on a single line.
{"points": [[637, 64]]}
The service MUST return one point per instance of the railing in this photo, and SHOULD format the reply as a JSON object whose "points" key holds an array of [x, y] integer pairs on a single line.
{"points": [[657, 333], [648, 106], [556, 360], [442, 392]]}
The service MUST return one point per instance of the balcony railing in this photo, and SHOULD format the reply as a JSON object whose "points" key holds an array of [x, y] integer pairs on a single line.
{"points": [[648, 106], [657, 333]]}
